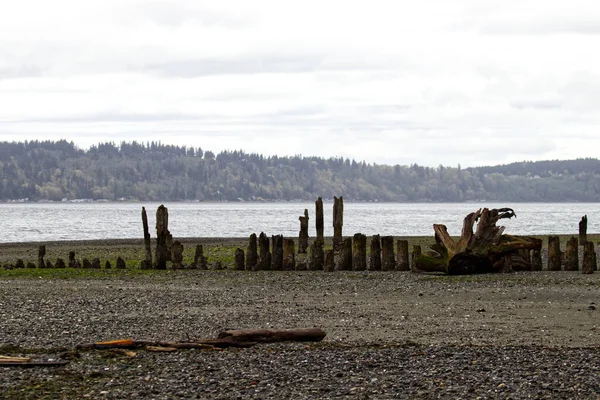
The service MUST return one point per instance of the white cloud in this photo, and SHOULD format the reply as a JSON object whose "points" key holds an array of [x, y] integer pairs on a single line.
{"points": [[431, 82]]}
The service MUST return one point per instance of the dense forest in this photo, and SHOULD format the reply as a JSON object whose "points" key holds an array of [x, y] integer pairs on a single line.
{"points": [[57, 170]]}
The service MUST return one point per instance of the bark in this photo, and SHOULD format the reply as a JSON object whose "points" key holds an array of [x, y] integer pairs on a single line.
{"points": [[359, 252], [251, 253], [303, 235], [375, 256], [319, 224], [402, 260], [572, 255]]}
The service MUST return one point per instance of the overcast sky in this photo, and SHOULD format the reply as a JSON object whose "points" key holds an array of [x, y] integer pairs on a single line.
{"points": [[395, 82]]}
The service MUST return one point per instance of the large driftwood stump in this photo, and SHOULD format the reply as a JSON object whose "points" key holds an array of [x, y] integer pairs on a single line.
{"points": [[319, 221], [276, 252], [483, 251], [583, 230], [264, 255], [162, 237], [251, 253], [289, 255], [375, 254], [402, 260], [359, 252], [338, 221], [572, 255], [303, 235], [147, 262]]}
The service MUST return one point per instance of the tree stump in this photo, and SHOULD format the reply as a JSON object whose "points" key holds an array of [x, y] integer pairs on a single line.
{"points": [[303, 235], [359, 252], [402, 263], [239, 259], [264, 256], [251, 253], [276, 252], [289, 255], [199, 259], [338, 221], [41, 255], [121, 263], [177, 257], [319, 223], [147, 262], [388, 259], [583, 230], [536, 260], [329, 261], [317, 256], [572, 255], [589, 258], [343, 257], [554, 255], [375, 256], [162, 237]]}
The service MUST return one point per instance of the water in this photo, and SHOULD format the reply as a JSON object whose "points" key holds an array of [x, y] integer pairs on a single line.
{"points": [[84, 221]]}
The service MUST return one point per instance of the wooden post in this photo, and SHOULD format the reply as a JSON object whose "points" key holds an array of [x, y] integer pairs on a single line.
{"points": [[415, 253], [41, 254], [359, 252], [289, 255], [536, 260], [338, 221], [147, 263], [162, 234], [276, 252], [177, 256], [388, 261], [583, 230], [589, 258], [403, 263], [96, 263], [554, 255], [329, 261], [303, 235], [107, 265], [239, 259], [375, 258], [199, 259], [21, 264], [343, 257], [317, 256], [572, 255], [264, 256], [525, 254], [319, 224], [73, 263], [48, 264], [86, 263], [60, 263], [251, 253], [121, 263]]}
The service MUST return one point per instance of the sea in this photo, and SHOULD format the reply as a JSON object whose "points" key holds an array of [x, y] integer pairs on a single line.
{"points": [[39, 222]]}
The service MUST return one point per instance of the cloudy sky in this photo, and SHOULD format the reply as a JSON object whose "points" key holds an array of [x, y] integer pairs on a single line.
{"points": [[397, 82]]}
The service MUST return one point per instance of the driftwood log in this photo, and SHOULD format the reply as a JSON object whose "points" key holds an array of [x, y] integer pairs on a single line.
{"points": [[486, 250]]}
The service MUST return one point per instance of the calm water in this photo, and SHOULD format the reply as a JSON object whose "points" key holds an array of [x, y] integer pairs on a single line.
{"points": [[78, 221]]}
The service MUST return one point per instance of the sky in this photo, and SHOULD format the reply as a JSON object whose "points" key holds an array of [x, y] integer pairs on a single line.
{"points": [[391, 82]]}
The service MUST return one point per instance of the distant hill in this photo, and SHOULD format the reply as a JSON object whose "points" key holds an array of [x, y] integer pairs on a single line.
{"points": [[49, 170]]}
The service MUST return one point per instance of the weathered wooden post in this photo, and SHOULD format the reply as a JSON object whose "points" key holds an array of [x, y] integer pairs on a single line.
{"points": [[388, 260], [60, 263], [276, 252], [554, 255], [264, 256], [199, 259], [96, 263], [147, 262], [251, 253], [303, 235], [343, 257], [121, 263], [589, 258], [162, 234], [86, 263], [375, 256], [21, 264], [329, 261], [177, 257], [107, 265], [338, 221], [49, 264], [403, 263], [289, 255], [41, 255], [319, 224], [536, 260], [73, 263], [583, 230], [572, 255], [359, 252], [239, 259], [416, 252], [317, 256]]}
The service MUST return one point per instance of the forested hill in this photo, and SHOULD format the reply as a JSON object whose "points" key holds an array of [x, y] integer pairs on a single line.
{"points": [[57, 170]]}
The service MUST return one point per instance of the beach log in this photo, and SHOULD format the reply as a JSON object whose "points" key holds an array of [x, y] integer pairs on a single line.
{"points": [[572, 255], [317, 256], [375, 254], [276, 252], [329, 265], [359, 252], [162, 237], [239, 259], [289, 255], [147, 263], [554, 255], [338, 221], [177, 257], [388, 259], [41, 255], [589, 264], [264, 256], [583, 230], [402, 260], [319, 221], [274, 335], [303, 235], [121, 263], [251, 253], [536, 260], [343, 257]]}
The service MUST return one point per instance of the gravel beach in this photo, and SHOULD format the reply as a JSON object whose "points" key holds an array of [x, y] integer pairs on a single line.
{"points": [[389, 335]]}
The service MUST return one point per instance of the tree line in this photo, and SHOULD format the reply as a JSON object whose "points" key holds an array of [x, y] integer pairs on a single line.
{"points": [[152, 171]]}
